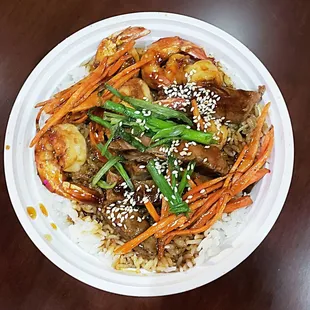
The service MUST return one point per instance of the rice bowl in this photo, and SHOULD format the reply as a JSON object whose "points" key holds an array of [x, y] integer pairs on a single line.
{"points": [[237, 241]]}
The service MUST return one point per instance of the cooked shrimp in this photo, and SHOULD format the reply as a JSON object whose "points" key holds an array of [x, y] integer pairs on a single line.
{"points": [[111, 44], [62, 149], [204, 70], [160, 51], [136, 88]]}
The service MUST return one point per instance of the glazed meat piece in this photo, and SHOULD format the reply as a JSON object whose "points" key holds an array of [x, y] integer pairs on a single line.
{"points": [[119, 145], [210, 160], [131, 227], [236, 104], [137, 171], [137, 156], [143, 188], [115, 194], [146, 189]]}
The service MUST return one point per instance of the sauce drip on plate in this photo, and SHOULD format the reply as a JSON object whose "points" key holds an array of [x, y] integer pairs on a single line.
{"points": [[54, 226], [48, 237], [43, 209], [32, 212]]}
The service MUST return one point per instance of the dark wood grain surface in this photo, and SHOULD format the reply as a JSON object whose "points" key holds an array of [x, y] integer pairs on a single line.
{"points": [[277, 275]]}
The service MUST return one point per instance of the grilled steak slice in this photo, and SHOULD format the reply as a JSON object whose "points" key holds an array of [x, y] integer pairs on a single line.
{"points": [[210, 160], [236, 104]]}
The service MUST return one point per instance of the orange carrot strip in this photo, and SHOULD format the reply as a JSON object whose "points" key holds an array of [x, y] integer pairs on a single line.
{"points": [[151, 209], [238, 203], [236, 165], [245, 180], [206, 191], [235, 204], [94, 100], [124, 72], [217, 216], [266, 140], [196, 113], [204, 185], [197, 204], [204, 218], [80, 120], [62, 95], [180, 220], [198, 181], [95, 77], [209, 202], [253, 147], [236, 177], [38, 119], [128, 246], [113, 69], [117, 81], [191, 183], [122, 51]]}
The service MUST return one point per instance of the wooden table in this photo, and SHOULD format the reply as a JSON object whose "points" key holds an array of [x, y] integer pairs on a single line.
{"points": [[276, 276]]}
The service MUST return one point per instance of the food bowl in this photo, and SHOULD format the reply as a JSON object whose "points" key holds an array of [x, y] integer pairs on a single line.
{"points": [[26, 190]]}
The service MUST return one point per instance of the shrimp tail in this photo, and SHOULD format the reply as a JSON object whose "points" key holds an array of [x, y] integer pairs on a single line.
{"points": [[195, 52]]}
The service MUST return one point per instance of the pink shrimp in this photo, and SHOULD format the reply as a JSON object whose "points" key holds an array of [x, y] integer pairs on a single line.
{"points": [[155, 75]]}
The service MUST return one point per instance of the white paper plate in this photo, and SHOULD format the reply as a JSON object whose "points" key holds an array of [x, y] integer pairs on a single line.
{"points": [[26, 190]]}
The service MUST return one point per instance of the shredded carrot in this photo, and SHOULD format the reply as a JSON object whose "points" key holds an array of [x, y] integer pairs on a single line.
{"points": [[205, 192], [238, 203], [126, 71], [94, 100], [197, 204], [198, 181], [204, 218], [128, 246], [258, 175], [191, 183], [245, 180], [38, 119], [236, 165], [62, 95], [196, 113], [204, 185], [253, 147], [122, 51], [236, 176], [151, 209], [113, 69], [216, 217], [94, 78], [205, 207], [180, 220], [117, 81], [266, 140]]}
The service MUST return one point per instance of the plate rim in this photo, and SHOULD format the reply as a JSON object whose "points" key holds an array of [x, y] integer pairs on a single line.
{"points": [[83, 276]]}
